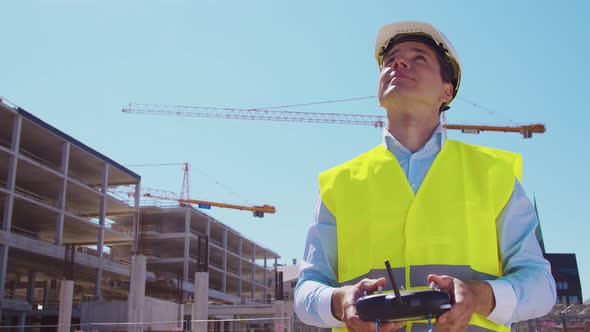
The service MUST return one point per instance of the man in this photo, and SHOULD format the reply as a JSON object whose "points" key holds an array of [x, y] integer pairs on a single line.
{"points": [[441, 211]]}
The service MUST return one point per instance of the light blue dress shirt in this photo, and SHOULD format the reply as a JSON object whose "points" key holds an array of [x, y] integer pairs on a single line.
{"points": [[526, 290]]}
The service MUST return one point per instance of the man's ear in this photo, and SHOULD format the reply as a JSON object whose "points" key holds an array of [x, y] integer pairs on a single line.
{"points": [[447, 93]]}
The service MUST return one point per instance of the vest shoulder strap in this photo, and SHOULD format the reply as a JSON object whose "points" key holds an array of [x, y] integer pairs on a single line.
{"points": [[511, 159]]}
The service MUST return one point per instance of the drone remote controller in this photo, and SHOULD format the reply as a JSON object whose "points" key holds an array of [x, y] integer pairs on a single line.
{"points": [[411, 305]]}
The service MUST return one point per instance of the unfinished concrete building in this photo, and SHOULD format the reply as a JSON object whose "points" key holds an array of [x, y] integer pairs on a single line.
{"points": [[173, 240], [53, 198], [59, 222]]}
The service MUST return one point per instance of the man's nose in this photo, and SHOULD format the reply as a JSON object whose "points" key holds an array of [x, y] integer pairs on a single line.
{"points": [[400, 62]]}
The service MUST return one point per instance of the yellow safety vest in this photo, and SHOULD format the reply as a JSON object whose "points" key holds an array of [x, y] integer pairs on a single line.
{"points": [[447, 227]]}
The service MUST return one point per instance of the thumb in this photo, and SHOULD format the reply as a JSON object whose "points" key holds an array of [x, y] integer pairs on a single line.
{"points": [[444, 282], [372, 284]]}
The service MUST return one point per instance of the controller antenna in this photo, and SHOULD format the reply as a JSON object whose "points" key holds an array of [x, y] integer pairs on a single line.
{"points": [[398, 296]]}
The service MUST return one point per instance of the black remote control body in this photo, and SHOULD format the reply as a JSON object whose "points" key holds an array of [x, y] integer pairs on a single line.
{"points": [[414, 305]]}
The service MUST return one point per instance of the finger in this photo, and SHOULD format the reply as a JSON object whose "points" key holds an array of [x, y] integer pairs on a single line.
{"points": [[356, 323], [444, 282], [461, 319], [348, 310], [371, 284], [451, 315], [391, 326], [461, 295], [456, 327], [385, 72]]}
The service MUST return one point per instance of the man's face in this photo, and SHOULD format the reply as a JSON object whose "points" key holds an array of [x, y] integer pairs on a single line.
{"points": [[411, 76]]}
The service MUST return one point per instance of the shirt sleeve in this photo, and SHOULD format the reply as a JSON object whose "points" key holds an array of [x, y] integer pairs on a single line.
{"points": [[317, 276], [527, 289]]}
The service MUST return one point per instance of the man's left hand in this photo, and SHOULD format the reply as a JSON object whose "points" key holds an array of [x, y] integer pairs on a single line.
{"points": [[469, 297]]}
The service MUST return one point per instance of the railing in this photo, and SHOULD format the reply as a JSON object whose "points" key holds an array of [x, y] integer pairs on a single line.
{"points": [[5, 143], [105, 255], [88, 251], [122, 260], [36, 197], [24, 232], [40, 160], [218, 266], [150, 228], [160, 229], [150, 252], [571, 318], [195, 232], [121, 228], [235, 251], [51, 302], [234, 269], [219, 244], [11, 294]]}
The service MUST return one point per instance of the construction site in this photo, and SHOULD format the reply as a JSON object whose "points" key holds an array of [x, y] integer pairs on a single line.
{"points": [[84, 247], [76, 254]]}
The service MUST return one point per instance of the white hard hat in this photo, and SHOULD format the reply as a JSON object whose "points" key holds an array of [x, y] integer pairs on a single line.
{"points": [[390, 34]]}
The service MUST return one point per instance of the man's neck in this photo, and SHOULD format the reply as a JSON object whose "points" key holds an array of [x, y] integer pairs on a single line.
{"points": [[412, 132]]}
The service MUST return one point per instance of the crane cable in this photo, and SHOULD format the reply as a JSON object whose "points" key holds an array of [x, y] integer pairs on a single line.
{"points": [[489, 111]]}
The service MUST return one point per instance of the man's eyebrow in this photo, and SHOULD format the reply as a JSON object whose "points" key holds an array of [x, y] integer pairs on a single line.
{"points": [[414, 49]]}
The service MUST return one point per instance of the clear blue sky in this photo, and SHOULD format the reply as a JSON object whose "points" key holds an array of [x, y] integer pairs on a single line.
{"points": [[75, 64]]}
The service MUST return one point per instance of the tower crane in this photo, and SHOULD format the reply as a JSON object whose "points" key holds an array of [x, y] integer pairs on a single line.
{"points": [[184, 198], [377, 121]]}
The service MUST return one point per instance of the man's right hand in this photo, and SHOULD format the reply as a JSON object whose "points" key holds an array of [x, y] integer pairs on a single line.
{"points": [[344, 306]]}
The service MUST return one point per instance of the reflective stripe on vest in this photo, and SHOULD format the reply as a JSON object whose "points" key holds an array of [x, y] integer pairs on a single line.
{"points": [[419, 275], [398, 273], [423, 327], [447, 227]]}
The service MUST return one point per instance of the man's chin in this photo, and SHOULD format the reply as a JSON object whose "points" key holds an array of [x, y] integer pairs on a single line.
{"points": [[391, 98]]}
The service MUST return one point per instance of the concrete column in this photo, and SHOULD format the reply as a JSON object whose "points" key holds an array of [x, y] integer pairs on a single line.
{"points": [[180, 314], [201, 301], [253, 270], [221, 326], [208, 230], [136, 296], [6, 221], [66, 297], [12, 286], [61, 203], [136, 221], [31, 286], [46, 287], [187, 243], [290, 312], [22, 321], [279, 312], [11, 180], [3, 264], [101, 221], [264, 277], [224, 278], [240, 268]]}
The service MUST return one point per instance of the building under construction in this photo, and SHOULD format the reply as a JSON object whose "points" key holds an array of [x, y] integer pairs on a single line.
{"points": [[72, 254]]}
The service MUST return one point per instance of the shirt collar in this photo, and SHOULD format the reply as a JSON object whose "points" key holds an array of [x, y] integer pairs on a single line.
{"points": [[436, 142]]}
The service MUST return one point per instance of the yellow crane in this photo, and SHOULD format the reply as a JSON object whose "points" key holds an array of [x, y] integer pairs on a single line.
{"points": [[184, 198], [267, 114]]}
